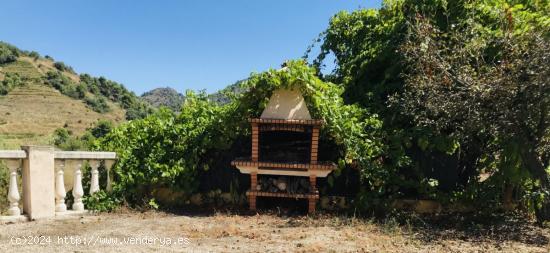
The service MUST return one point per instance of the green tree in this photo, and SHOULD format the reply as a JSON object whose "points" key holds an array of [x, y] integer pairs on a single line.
{"points": [[101, 128], [454, 88], [371, 66]]}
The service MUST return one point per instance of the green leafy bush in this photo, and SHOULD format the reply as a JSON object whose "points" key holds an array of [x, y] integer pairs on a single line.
{"points": [[4, 186], [8, 53], [63, 84], [98, 104], [61, 66], [101, 128], [65, 140], [61, 135], [35, 55], [11, 80], [101, 201]]}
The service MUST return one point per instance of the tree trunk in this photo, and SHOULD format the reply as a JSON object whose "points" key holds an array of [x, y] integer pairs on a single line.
{"points": [[536, 167], [508, 197]]}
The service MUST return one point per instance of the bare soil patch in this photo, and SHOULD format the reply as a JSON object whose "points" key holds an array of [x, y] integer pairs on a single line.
{"points": [[227, 232]]}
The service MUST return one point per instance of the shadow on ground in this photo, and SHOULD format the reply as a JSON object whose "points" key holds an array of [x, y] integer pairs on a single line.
{"points": [[494, 228], [474, 227]]}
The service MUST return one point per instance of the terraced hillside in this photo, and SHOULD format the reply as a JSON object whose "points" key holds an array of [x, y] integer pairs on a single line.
{"points": [[30, 112]]}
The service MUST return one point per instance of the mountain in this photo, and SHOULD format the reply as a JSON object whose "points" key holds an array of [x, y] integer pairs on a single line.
{"points": [[222, 97], [39, 95], [172, 99], [164, 97]]}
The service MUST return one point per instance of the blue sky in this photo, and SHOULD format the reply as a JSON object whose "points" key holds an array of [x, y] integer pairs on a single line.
{"points": [[180, 44]]}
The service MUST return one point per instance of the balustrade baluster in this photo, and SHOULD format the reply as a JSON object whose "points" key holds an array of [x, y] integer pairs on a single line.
{"points": [[13, 191], [94, 182], [78, 192], [108, 167], [60, 192]]}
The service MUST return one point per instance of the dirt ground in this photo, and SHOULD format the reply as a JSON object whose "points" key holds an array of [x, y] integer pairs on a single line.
{"points": [[130, 231]]}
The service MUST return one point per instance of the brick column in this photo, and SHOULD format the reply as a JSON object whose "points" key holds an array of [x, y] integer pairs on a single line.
{"points": [[314, 144], [252, 196], [311, 202], [252, 202], [313, 183], [253, 181], [255, 142]]}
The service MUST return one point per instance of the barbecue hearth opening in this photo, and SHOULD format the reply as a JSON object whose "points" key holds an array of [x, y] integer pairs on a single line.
{"points": [[285, 146]]}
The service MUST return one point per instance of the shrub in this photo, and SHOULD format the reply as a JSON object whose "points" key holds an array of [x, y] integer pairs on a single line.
{"points": [[61, 136], [4, 186], [61, 66], [101, 201], [101, 128], [135, 108], [80, 90], [35, 55], [65, 85], [8, 53], [11, 80], [98, 104]]}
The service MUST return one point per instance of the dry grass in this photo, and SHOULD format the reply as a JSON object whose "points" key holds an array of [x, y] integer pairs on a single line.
{"points": [[30, 114], [226, 232]]}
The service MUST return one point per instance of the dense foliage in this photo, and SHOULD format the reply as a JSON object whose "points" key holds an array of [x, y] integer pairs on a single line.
{"points": [[115, 92], [65, 85], [61, 66], [64, 139], [8, 53], [428, 96], [500, 102], [469, 91], [171, 150], [96, 91], [11, 80]]}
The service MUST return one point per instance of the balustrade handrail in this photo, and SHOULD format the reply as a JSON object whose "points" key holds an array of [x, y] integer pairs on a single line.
{"points": [[84, 155], [13, 154]]}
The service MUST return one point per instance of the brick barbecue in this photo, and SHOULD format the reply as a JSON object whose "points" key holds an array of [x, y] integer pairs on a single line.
{"points": [[285, 143]]}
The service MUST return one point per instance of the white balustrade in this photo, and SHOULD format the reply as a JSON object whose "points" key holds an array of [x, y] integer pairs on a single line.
{"points": [[35, 185], [13, 191], [94, 182], [60, 192], [78, 192]]}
